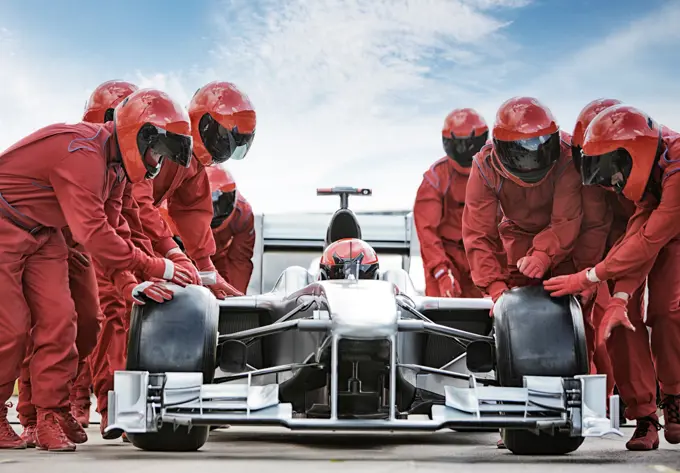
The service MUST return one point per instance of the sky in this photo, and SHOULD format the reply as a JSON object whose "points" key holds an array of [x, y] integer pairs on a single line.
{"points": [[347, 92]]}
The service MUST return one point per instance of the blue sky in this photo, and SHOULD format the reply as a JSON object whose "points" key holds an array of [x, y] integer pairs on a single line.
{"points": [[348, 92]]}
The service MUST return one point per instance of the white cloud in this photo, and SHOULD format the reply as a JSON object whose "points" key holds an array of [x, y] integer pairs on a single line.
{"points": [[35, 93], [346, 91], [354, 92], [636, 65]]}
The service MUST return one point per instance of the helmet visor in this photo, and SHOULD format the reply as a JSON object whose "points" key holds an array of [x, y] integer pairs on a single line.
{"points": [[223, 206], [530, 159], [610, 170], [576, 153], [351, 270], [108, 115], [463, 149], [221, 143], [165, 143]]}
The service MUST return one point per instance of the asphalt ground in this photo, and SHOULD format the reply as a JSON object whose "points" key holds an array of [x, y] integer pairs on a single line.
{"points": [[276, 450]]}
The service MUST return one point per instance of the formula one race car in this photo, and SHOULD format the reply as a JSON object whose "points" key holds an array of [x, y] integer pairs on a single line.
{"points": [[359, 355]]}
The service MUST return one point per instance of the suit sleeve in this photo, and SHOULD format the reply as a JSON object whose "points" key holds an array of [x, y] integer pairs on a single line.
{"points": [[649, 230], [595, 226], [153, 225], [480, 231], [113, 209], [130, 213], [79, 184], [559, 238], [240, 255], [427, 215], [190, 207]]}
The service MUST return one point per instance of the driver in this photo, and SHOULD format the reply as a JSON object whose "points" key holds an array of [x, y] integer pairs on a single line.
{"points": [[349, 258]]}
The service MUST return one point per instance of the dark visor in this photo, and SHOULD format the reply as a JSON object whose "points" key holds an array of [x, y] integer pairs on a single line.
{"points": [[607, 170], [576, 156], [223, 206], [463, 149], [108, 115], [170, 145], [351, 269], [530, 159], [223, 144]]}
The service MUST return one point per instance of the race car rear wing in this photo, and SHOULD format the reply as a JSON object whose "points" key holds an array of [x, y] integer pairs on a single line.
{"points": [[344, 193]]}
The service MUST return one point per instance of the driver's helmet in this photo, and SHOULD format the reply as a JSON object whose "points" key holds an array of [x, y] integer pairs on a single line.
{"points": [[349, 258]]}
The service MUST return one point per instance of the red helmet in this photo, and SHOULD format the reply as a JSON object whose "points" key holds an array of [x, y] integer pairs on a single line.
{"points": [[349, 258], [99, 107], [526, 140], [224, 194], [150, 126], [463, 135], [582, 121], [222, 122], [620, 148]]}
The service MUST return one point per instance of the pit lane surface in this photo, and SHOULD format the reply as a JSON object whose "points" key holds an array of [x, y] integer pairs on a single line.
{"points": [[278, 451]]}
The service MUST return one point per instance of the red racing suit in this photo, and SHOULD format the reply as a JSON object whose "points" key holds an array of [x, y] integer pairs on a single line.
{"points": [[235, 240], [588, 251], [110, 351], [187, 191], [61, 175], [619, 210], [83, 288], [438, 217], [649, 249], [545, 218]]}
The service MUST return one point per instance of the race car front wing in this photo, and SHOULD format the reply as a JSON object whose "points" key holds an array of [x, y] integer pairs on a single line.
{"points": [[143, 402]]}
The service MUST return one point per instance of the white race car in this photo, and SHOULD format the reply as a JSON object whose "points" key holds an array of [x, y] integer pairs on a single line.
{"points": [[355, 355]]}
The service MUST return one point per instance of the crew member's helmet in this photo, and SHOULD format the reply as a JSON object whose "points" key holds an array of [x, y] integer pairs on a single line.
{"points": [[621, 147], [464, 133], [224, 194], [584, 118], [526, 140]]}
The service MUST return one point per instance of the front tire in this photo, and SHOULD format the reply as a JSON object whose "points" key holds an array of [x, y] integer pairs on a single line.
{"points": [[179, 335], [538, 335]]}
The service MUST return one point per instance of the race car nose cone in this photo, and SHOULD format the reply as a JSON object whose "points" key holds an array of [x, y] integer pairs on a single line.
{"points": [[363, 309]]}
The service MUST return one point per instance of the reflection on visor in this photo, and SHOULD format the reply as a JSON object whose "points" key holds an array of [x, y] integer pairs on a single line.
{"points": [[170, 145], [531, 159], [576, 153], [533, 144], [223, 206], [609, 170], [223, 144], [152, 162]]}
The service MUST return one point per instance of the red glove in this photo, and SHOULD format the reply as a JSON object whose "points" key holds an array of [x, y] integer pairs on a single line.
{"points": [[570, 284], [78, 259], [535, 265], [616, 315], [448, 286], [217, 285], [181, 260], [496, 290], [162, 268], [587, 295], [139, 294]]}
